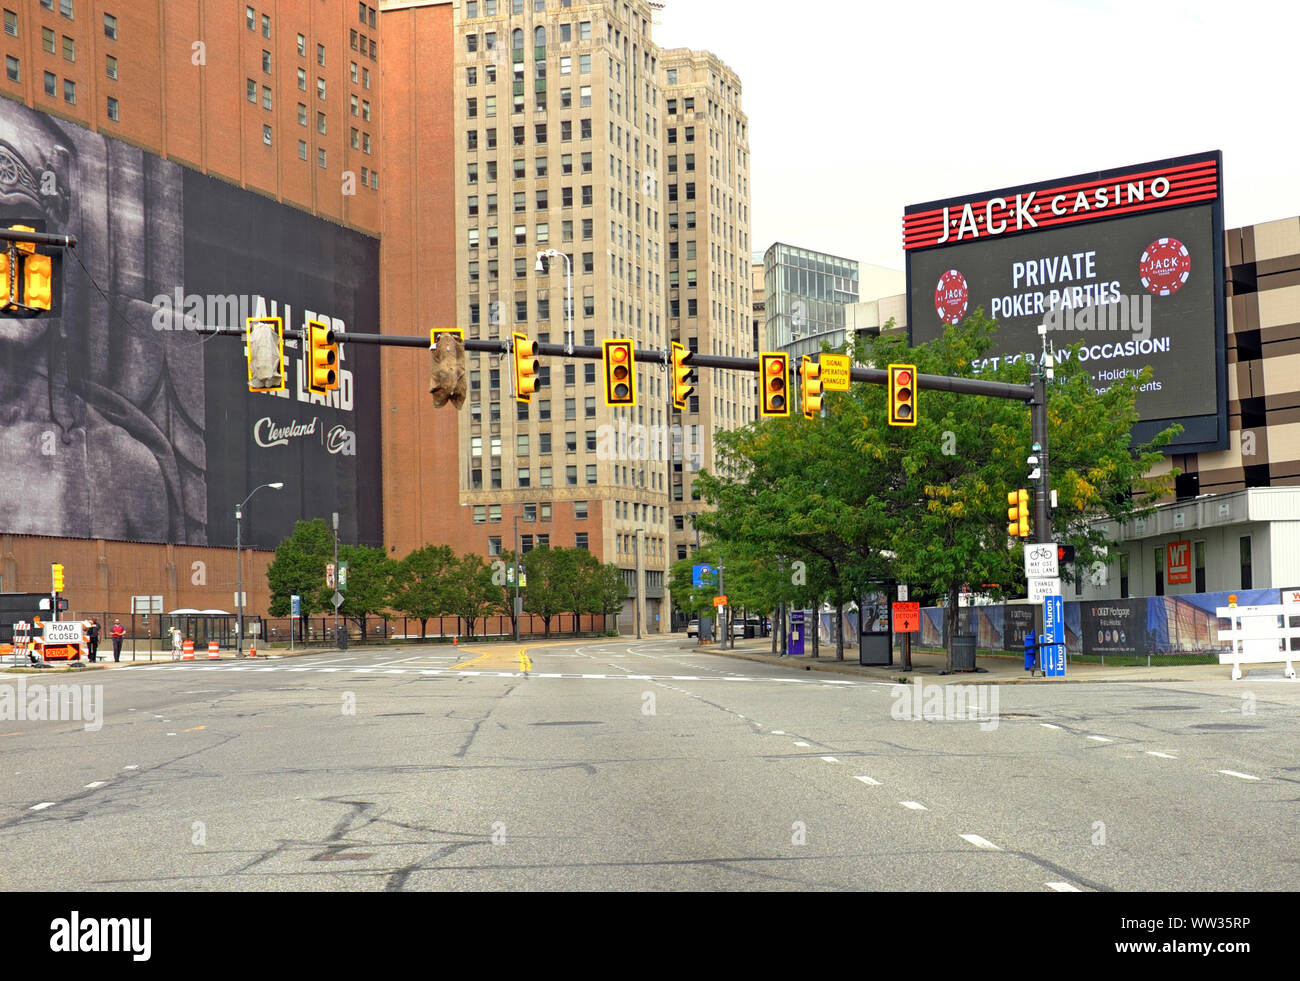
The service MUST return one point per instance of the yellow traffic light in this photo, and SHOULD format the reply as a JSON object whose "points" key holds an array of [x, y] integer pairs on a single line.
{"points": [[1018, 513], [620, 373], [525, 366], [322, 359], [56, 571], [682, 371], [774, 371], [264, 349], [26, 277], [902, 395], [810, 387], [38, 282]]}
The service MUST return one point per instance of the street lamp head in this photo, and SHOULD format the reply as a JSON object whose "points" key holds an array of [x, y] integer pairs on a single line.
{"points": [[278, 485], [540, 267]]}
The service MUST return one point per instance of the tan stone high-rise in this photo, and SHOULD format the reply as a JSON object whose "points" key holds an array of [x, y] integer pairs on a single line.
{"points": [[709, 299]]}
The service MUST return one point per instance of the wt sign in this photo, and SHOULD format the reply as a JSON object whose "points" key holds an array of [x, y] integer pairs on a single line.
{"points": [[1178, 562]]}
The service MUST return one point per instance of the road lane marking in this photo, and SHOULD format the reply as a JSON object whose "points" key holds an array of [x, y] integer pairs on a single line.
{"points": [[869, 781], [1048, 725], [95, 783], [913, 805], [1062, 887], [41, 807], [1163, 756], [830, 759], [1101, 739], [778, 732], [979, 842], [1242, 776], [797, 743], [131, 766]]}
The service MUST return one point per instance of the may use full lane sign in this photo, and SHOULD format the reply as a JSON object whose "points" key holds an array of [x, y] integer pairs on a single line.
{"points": [[1040, 561]]}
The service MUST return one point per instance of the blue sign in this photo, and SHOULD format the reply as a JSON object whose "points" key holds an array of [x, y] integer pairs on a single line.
{"points": [[796, 632], [1053, 652], [703, 575], [295, 606]]}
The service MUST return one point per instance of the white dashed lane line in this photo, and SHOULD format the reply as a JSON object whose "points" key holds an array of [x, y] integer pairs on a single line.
{"points": [[96, 783], [869, 781], [1163, 756], [1240, 776], [913, 805], [1101, 739], [979, 842], [830, 759], [42, 806], [1062, 887]]}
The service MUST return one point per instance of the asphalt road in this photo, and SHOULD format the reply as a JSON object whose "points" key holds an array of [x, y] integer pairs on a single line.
{"points": [[616, 765]]}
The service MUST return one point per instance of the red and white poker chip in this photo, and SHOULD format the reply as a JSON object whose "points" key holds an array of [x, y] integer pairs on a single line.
{"points": [[951, 297], [1165, 266]]}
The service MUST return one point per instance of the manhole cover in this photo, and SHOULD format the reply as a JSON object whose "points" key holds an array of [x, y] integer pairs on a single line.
{"points": [[1222, 726]]}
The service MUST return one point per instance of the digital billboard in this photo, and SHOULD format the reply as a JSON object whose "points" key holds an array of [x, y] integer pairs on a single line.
{"points": [[1127, 263], [122, 422]]}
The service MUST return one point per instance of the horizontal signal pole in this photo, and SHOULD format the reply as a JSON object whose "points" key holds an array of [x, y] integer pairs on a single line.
{"points": [[871, 376], [38, 238]]}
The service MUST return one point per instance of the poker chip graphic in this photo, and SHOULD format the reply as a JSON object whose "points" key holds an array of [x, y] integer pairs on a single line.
{"points": [[1165, 266], [951, 297]]}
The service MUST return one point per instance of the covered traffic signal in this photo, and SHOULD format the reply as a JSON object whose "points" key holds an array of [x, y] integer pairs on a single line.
{"points": [[774, 372], [902, 395], [322, 359], [449, 381], [56, 573], [1018, 513], [682, 372], [810, 387], [264, 348], [620, 373], [525, 366]]}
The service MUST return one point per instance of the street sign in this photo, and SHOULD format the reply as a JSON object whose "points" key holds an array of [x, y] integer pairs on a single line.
{"points": [[902, 594], [295, 606], [907, 618], [1053, 651], [719, 601], [64, 632], [835, 372], [1040, 561], [703, 575], [338, 599], [146, 604], [1040, 589]]}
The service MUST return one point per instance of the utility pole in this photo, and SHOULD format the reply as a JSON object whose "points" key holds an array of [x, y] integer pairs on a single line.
{"points": [[722, 612], [336, 576]]}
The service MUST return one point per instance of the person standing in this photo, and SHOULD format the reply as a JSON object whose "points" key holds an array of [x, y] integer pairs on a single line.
{"points": [[119, 632], [176, 643], [92, 639]]}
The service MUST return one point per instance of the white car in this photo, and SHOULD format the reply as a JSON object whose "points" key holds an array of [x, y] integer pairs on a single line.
{"points": [[693, 629]]}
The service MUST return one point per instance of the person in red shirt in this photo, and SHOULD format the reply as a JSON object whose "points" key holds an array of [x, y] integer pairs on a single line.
{"points": [[119, 632]]}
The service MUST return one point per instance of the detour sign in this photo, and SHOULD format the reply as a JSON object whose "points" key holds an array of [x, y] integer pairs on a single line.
{"points": [[907, 618]]}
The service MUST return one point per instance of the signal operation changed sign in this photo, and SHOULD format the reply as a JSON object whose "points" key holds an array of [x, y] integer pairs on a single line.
{"points": [[835, 372]]}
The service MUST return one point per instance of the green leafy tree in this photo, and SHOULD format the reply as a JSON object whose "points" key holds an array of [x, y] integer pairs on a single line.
{"points": [[422, 583], [471, 591], [370, 583], [608, 589], [299, 569], [548, 573], [504, 570]]}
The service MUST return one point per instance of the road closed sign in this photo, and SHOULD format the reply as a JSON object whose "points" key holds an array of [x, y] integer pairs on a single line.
{"points": [[63, 632], [907, 618]]}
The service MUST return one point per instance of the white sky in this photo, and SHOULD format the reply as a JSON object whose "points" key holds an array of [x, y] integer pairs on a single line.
{"points": [[857, 109]]}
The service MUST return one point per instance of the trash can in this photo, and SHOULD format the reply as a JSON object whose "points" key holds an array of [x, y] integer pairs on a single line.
{"points": [[963, 652], [341, 638]]}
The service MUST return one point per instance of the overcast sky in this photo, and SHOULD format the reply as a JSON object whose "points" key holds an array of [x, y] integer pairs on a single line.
{"points": [[857, 109]]}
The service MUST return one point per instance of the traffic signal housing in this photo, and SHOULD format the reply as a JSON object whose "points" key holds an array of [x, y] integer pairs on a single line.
{"points": [[1018, 513], [264, 349], [682, 372], [774, 377], [902, 395], [322, 359], [524, 352], [620, 373], [27, 277], [810, 387], [56, 573]]}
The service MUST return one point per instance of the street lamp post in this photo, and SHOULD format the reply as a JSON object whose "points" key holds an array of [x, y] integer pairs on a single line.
{"points": [[568, 268], [517, 566], [239, 565]]}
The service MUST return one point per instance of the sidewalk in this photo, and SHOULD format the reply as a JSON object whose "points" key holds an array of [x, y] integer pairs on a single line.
{"points": [[993, 670]]}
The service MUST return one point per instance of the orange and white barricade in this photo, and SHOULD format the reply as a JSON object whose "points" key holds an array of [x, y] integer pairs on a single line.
{"points": [[187, 651], [214, 652]]}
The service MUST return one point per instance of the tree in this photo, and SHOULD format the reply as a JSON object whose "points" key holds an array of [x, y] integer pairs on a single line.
{"points": [[576, 582], [608, 589], [471, 593], [547, 573], [422, 583], [370, 583], [504, 569], [298, 569]]}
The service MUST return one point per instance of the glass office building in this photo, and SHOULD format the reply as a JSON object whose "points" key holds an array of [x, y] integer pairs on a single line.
{"points": [[806, 296]]}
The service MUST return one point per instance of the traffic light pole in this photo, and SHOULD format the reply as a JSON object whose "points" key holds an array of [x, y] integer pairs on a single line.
{"points": [[1042, 491]]}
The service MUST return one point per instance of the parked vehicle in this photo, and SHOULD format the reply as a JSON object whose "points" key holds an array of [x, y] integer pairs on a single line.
{"points": [[693, 629]]}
